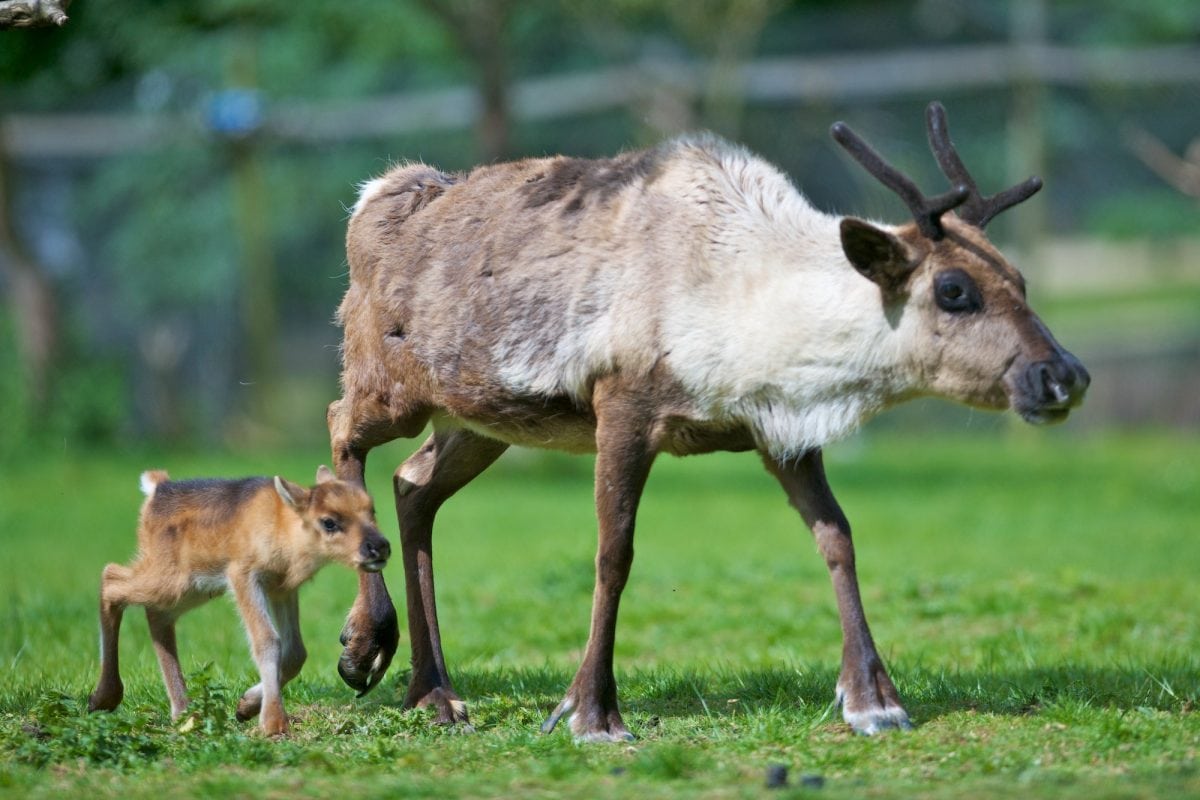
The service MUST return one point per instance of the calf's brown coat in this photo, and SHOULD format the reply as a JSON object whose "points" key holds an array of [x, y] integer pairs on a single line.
{"points": [[260, 538]]}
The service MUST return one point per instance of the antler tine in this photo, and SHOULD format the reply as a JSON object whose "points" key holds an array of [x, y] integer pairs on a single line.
{"points": [[926, 211], [977, 210]]}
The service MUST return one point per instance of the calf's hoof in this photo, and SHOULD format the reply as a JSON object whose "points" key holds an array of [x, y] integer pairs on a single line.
{"points": [[106, 699], [248, 706], [274, 725]]}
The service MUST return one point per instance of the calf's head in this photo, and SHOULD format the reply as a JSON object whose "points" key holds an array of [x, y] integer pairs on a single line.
{"points": [[340, 518], [973, 337]]}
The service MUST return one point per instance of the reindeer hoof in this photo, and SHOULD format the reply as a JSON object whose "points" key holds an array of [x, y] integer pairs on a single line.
{"points": [[869, 723], [363, 673], [368, 651], [449, 708], [598, 725]]}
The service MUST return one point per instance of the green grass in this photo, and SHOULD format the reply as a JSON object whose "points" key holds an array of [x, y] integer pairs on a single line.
{"points": [[1034, 595]]}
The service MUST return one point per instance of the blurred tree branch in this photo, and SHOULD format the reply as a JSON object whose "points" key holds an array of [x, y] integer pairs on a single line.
{"points": [[1181, 173], [479, 28], [729, 30], [33, 13]]}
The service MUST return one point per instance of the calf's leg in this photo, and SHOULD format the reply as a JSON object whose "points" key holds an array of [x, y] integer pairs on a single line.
{"points": [[266, 646], [162, 633], [285, 611], [113, 600], [867, 695]]}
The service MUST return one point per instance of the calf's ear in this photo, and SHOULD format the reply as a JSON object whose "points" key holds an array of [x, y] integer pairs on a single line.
{"points": [[879, 255], [294, 495], [324, 475]]}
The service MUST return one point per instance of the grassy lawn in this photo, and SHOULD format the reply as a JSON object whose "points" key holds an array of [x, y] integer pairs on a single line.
{"points": [[1034, 594]]}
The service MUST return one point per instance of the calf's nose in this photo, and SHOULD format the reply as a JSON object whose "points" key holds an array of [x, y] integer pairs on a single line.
{"points": [[376, 548]]}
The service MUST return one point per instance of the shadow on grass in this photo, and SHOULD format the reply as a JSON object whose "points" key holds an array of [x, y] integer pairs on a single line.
{"points": [[1062, 690]]}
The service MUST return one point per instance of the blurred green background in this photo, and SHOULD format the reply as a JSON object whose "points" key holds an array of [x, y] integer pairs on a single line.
{"points": [[174, 176]]}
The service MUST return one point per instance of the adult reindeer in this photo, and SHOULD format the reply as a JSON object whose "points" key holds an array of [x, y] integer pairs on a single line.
{"points": [[683, 299]]}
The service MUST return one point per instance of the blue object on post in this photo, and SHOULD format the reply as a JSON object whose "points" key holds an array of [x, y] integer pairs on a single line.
{"points": [[235, 113]]}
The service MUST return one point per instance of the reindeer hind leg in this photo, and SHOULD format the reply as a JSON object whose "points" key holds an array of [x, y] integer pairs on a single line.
{"points": [[449, 460]]}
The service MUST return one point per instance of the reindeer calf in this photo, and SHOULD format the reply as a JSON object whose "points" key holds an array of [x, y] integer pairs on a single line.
{"points": [[260, 538]]}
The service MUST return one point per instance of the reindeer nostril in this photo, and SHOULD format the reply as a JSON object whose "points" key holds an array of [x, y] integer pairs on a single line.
{"points": [[1061, 395], [1051, 382]]}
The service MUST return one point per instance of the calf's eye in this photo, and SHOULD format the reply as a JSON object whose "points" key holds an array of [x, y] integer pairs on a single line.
{"points": [[330, 525]]}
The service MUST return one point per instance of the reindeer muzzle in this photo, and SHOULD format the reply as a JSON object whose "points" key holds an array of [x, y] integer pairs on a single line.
{"points": [[1048, 390]]}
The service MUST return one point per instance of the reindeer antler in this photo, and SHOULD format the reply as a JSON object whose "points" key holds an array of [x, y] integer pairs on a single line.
{"points": [[973, 207], [977, 210], [927, 211]]}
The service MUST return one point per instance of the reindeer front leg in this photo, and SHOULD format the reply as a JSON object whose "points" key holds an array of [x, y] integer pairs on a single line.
{"points": [[624, 455], [371, 633], [370, 636], [867, 695]]}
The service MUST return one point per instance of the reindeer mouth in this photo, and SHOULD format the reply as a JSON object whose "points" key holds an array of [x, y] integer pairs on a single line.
{"points": [[1044, 416], [373, 566]]}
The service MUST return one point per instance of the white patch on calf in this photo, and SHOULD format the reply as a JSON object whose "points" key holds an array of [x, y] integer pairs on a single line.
{"points": [[210, 583], [148, 483]]}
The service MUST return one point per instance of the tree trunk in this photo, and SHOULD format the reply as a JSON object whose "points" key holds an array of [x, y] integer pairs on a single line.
{"points": [[252, 215], [32, 302], [480, 29]]}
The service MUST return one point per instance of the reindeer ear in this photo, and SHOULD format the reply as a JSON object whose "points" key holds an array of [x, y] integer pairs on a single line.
{"points": [[324, 475], [877, 254], [294, 495]]}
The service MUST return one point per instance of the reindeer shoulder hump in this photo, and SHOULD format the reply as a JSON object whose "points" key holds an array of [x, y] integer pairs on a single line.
{"points": [[408, 187]]}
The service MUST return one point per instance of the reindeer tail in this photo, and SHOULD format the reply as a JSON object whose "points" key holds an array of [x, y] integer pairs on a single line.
{"points": [[151, 478]]}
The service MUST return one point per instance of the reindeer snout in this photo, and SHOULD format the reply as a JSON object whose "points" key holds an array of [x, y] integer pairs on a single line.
{"points": [[374, 552], [1063, 380], [1052, 387]]}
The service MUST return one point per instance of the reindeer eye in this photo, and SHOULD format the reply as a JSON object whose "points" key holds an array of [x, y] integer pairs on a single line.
{"points": [[954, 291], [330, 525]]}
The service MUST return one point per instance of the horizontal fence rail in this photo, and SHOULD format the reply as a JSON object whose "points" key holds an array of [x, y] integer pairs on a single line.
{"points": [[845, 76]]}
